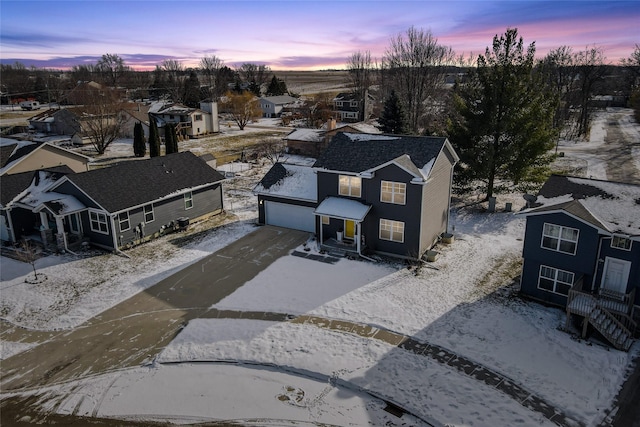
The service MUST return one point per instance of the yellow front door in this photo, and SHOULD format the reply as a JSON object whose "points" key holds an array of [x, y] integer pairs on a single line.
{"points": [[349, 229]]}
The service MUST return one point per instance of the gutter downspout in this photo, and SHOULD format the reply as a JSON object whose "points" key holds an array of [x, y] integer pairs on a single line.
{"points": [[595, 271], [10, 221], [358, 225], [115, 240]]}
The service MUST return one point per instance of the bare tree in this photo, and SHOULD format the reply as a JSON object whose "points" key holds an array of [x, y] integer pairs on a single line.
{"points": [[102, 118], [561, 74], [210, 67], [415, 67], [271, 149], [256, 75], [112, 68], [361, 73], [243, 107], [590, 66], [29, 254], [173, 72]]}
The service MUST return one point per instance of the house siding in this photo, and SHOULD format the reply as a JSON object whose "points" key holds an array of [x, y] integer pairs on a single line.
{"points": [[583, 263], [47, 157], [435, 201], [633, 256], [263, 198]]}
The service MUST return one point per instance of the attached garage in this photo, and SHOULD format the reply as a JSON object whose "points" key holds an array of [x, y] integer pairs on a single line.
{"points": [[289, 216]]}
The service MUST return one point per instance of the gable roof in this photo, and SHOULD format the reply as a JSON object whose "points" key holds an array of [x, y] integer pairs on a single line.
{"points": [[135, 183], [289, 181], [13, 185], [280, 99], [359, 152], [607, 205], [24, 149]]}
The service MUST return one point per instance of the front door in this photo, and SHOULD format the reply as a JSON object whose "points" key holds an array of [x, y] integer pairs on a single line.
{"points": [[349, 229], [615, 275]]}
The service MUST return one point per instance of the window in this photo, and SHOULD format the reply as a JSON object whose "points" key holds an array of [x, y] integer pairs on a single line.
{"points": [[197, 117], [353, 103], [338, 103], [392, 230], [621, 242], [561, 239], [148, 213], [325, 220], [554, 280], [349, 186], [393, 192], [188, 200], [123, 219], [98, 222], [349, 115]]}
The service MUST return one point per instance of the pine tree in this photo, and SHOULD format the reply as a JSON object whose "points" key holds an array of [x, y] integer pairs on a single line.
{"points": [[154, 138], [393, 119], [276, 87], [170, 139], [139, 145], [505, 127]]}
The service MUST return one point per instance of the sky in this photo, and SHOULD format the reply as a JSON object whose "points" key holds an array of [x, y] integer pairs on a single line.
{"points": [[296, 35]]}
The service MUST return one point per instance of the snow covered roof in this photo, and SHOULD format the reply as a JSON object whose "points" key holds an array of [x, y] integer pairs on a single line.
{"points": [[607, 205], [280, 100], [309, 135], [37, 197], [338, 207], [361, 152], [290, 181]]}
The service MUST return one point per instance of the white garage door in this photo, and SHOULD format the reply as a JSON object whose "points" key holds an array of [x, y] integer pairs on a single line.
{"points": [[289, 216]]}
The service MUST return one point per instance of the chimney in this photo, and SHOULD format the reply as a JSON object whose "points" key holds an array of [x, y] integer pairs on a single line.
{"points": [[331, 124]]}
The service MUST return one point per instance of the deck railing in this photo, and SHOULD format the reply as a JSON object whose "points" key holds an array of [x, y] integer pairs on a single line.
{"points": [[582, 302]]}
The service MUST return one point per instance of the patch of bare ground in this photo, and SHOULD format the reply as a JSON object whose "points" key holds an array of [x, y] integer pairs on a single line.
{"points": [[499, 278], [310, 83]]}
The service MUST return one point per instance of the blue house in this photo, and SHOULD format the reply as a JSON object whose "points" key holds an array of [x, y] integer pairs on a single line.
{"points": [[366, 193], [582, 252]]}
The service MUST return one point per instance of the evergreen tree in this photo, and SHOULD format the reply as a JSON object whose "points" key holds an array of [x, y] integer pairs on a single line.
{"points": [[276, 87], [154, 138], [170, 139], [393, 119], [505, 127], [192, 91], [139, 145]]}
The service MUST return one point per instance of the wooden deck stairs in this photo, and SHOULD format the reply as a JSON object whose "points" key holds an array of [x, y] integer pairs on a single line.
{"points": [[613, 330]]}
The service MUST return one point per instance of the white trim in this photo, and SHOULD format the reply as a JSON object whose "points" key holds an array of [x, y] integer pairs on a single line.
{"points": [[120, 221], [402, 191], [350, 186], [626, 271], [559, 238], [144, 214], [391, 224], [47, 144], [184, 198], [99, 213], [626, 238], [555, 279]]}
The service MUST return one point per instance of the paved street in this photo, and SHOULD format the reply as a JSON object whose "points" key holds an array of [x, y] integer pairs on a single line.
{"points": [[136, 330]]}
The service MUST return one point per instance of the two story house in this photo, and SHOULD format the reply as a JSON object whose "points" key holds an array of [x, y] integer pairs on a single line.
{"points": [[386, 194], [582, 252], [350, 108], [190, 122], [272, 106]]}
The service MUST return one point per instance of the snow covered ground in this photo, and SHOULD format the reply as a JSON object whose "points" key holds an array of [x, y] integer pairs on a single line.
{"points": [[280, 372]]}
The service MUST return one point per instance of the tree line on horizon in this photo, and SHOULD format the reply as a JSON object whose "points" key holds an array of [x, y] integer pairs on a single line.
{"points": [[503, 110]]}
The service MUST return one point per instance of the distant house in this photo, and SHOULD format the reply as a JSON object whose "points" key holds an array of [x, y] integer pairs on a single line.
{"points": [[113, 207], [63, 121], [23, 156], [350, 108], [133, 113], [386, 194], [312, 142], [272, 106], [582, 252], [190, 122]]}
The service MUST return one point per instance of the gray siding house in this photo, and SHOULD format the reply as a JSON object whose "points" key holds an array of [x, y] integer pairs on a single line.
{"points": [[122, 205], [387, 194], [272, 106], [582, 253]]}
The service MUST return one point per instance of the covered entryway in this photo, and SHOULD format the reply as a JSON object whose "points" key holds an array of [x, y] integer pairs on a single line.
{"points": [[349, 214], [289, 216]]}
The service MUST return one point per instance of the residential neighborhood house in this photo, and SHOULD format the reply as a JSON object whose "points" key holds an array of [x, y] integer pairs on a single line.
{"points": [[582, 252], [312, 142], [386, 194], [350, 108], [272, 106], [22, 156], [113, 207], [190, 122]]}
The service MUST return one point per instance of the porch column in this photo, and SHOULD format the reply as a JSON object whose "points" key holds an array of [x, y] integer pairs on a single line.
{"points": [[61, 237], [358, 237], [320, 240], [46, 234]]}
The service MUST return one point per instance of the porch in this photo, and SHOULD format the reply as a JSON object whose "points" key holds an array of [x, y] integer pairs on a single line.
{"points": [[609, 312], [341, 248], [340, 230]]}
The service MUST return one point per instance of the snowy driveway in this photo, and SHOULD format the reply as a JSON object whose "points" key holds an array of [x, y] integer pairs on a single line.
{"points": [[135, 331]]}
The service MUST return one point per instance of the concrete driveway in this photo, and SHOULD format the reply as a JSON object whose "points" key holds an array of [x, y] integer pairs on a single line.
{"points": [[136, 330]]}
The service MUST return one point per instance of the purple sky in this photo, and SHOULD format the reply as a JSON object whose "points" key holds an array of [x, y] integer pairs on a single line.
{"points": [[300, 34]]}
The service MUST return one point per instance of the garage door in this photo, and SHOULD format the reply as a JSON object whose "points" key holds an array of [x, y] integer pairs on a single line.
{"points": [[289, 216]]}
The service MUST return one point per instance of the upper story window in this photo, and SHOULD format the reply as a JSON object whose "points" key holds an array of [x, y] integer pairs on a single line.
{"points": [[98, 222], [354, 103], [350, 186], [559, 238], [393, 192], [620, 242], [123, 219], [197, 117], [148, 213], [188, 200]]}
